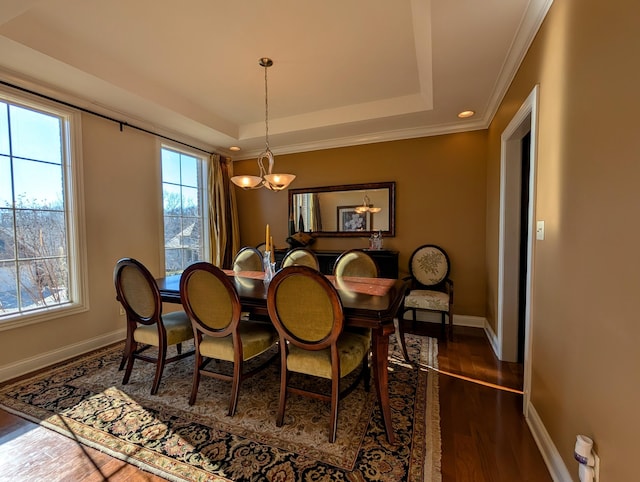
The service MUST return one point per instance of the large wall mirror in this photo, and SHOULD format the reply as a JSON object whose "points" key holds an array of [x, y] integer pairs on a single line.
{"points": [[355, 210]]}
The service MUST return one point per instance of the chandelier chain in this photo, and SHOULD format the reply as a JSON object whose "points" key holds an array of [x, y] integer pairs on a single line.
{"points": [[266, 108]]}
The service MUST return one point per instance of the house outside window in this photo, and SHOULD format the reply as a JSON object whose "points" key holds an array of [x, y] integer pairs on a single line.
{"points": [[42, 262], [184, 199]]}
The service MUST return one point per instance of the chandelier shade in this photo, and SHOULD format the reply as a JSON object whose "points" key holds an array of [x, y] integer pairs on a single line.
{"points": [[367, 206], [266, 178]]}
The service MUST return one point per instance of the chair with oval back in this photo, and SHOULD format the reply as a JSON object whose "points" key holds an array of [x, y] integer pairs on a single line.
{"points": [[356, 262], [213, 305], [147, 326], [300, 257], [431, 288], [307, 312], [248, 259]]}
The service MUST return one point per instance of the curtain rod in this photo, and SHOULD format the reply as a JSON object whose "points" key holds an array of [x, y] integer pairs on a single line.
{"points": [[97, 114]]}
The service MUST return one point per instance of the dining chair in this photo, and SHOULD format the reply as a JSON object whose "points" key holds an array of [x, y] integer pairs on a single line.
{"points": [[213, 306], [355, 262], [307, 312], [431, 289], [300, 257], [248, 259], [147, 326]]}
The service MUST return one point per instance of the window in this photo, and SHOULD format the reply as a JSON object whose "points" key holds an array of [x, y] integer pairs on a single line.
{"points": [[40, 242], [184, 199]]}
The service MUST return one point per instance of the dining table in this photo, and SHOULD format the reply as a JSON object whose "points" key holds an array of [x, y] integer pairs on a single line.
{"points": [[367, 302]]}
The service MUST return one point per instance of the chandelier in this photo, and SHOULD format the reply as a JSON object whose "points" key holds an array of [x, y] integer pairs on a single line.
{"points": [[367, 206], [274, 182]]}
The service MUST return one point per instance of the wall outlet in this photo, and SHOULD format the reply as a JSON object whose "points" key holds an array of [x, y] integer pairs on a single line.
{"points": [[121, 311]]}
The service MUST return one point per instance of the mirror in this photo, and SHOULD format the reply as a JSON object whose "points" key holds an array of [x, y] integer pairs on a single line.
{"points": [[355, 210]]}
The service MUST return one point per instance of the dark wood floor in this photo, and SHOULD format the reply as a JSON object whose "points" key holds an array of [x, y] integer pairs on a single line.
{"points": [[484, 435]]}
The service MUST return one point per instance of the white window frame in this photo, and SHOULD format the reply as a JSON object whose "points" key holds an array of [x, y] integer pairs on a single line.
{"points": [[203, 173], [74, 202]]}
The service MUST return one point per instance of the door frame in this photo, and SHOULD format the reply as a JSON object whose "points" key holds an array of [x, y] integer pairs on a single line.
{"points": [[525, 120]]}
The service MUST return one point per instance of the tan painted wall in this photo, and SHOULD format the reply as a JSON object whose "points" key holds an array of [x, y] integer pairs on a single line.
{"points": [[440, 199], [585, 303]]}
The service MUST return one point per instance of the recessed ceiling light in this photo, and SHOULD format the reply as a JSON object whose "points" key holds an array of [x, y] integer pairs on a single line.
{"points": [[234, 148], [466, 113]]}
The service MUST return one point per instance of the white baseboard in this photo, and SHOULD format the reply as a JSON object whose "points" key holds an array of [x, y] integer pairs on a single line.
{"points": [[493, 340], [473, 321], [37, 362], [459, 320], [550, 454]]}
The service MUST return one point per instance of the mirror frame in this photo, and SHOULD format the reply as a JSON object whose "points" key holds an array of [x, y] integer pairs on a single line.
{"points": [[391, 186]]}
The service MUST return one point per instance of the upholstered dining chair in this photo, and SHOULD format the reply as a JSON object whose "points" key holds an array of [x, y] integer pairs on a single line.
{"points": [[355, 262], [430, 289], [248, 259], [300, 257], [147, 326], [213, 306], [307, 312]]}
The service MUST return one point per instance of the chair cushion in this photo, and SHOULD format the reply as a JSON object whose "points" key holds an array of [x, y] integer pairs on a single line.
{"points": [[427, 300], [357, 264], [429, 265], [352, 348], [176, 324], [256, 339], [311, 320]]}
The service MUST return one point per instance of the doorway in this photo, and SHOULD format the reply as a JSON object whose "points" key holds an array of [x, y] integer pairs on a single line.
{"points": [[515, 260]]}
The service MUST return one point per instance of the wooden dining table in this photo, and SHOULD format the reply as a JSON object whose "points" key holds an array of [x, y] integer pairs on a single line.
{"points": [[367, 302]]}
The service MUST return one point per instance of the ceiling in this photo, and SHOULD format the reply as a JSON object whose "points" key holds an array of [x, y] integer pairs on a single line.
{"points": [[345, 72]]}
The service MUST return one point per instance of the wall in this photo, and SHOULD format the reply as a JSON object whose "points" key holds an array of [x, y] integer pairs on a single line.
{"points": [[440, 199], [585, 281], [123, 218]]}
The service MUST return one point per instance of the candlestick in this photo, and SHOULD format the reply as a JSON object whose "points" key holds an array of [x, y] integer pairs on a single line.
{"points": [[266, 241]]}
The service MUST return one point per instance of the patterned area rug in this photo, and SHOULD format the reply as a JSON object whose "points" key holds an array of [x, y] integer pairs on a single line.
{"points": [[164, 435]]}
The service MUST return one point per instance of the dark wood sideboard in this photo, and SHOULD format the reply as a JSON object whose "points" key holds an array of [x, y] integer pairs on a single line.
{"points": [[386, 260]]}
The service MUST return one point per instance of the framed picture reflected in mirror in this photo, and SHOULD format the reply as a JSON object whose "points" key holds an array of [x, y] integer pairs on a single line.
{"points": [[351, 221]]}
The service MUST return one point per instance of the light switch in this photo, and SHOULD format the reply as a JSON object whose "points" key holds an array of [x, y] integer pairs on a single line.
{"points": [[540, 230]]}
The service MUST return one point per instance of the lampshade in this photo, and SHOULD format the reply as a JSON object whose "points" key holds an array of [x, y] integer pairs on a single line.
{"points": [[367, 206], [273, 182]]}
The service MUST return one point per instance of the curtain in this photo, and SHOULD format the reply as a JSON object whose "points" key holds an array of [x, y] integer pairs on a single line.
{"points": [[316, 217], [223, 212]]}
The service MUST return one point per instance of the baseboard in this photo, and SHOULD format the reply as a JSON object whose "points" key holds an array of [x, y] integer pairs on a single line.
{"points": [[493, 340], [458, 320], [550, 454], [37, 362], [472, 321]]}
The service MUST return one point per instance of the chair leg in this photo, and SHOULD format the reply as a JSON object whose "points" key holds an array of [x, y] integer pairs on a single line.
{"points": [[283, 398], [179, 348], [125, 354], [284, 373], [400, 338], [235, 387], [366, 373], [129, 358], [196, 379], [443, 326], [413, 320], [162, 356], [335, 390]]}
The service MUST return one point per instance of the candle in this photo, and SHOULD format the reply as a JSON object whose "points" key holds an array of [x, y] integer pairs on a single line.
{"points": [[267, 236], [271, 243]]}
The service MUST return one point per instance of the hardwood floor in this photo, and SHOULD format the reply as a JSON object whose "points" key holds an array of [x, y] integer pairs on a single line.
{"points": [[484, 435]]}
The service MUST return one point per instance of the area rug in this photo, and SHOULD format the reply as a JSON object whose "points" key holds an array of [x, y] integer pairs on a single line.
{"points": [[162, 434]]}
